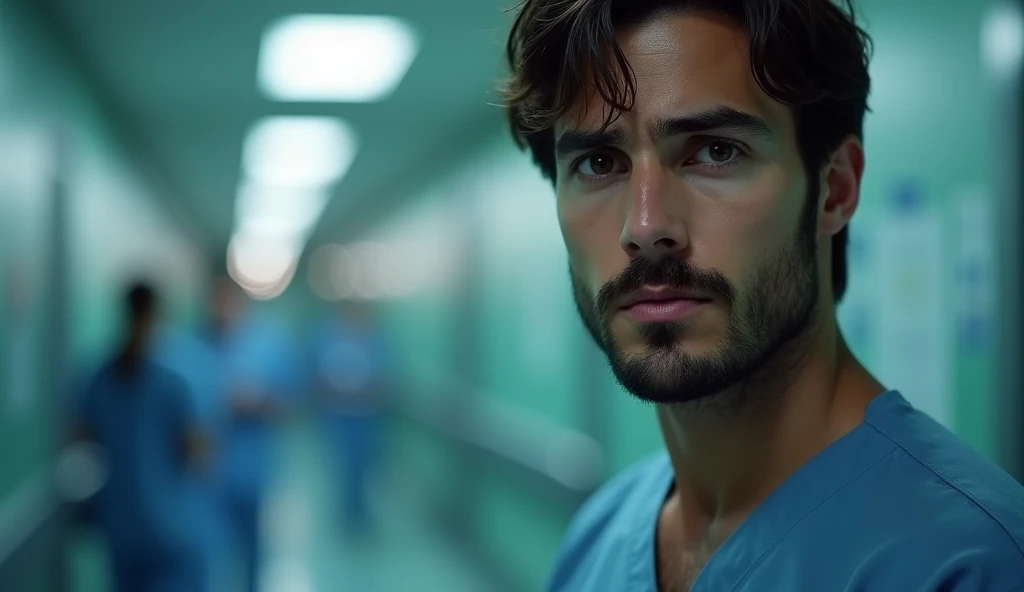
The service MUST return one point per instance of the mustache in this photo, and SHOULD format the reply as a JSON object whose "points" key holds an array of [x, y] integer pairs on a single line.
{"points": [[667, 271]]}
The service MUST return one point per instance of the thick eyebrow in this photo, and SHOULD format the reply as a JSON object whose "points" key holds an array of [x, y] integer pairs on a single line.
{"points": [[714, 119], [573, 141]]}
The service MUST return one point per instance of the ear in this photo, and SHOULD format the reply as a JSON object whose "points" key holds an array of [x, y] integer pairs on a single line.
{"points": [[841, 184]]}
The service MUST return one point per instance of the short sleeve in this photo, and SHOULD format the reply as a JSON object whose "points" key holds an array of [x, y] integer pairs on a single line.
{"points": [[602, 537]]}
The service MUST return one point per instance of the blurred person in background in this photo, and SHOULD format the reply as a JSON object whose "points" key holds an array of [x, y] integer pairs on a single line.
{"points": [[351, 369], [707, 158], [187, 353], [254, 366], [142, 416]]}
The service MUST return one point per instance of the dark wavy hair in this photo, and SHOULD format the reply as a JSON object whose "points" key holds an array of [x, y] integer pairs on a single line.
{"points": [[808, 54]]}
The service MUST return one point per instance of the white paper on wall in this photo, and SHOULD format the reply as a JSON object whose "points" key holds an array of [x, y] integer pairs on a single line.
{"points": [[975, 267], [913, 322]]}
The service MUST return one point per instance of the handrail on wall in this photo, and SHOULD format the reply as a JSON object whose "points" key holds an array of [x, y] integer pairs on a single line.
{"points": [[567, 458], [24, 512]]}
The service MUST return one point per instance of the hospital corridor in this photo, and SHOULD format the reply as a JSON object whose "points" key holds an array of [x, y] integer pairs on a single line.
{"points": [[369, 296]]}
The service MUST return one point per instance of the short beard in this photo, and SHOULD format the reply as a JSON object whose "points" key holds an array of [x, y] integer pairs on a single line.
{"points": [[765, 341]]}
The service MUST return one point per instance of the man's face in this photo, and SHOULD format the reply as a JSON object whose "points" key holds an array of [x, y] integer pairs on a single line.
{"points": [[691, 241]]}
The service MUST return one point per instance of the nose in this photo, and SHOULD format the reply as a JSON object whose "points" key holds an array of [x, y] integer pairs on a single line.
{"points": [[655, 224]]}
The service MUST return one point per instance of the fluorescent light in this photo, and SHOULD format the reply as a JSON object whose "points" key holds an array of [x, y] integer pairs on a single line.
{"points": [[345, 274], [262, 266], [321, 268], [275, 227], [343, 58], [365, 271], [279, 211], [1002, 38], [298, 152]]}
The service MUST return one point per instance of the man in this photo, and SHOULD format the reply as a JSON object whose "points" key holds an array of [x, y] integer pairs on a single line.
{"points": [[351, 373], [706, 158], [189, 355], [141, 415], [252, 363]]}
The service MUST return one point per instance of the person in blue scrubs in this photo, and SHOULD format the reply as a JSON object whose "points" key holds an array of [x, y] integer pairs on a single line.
{"points": [[141, 414], [707, 159], [351, 380], [257, 368], [189, 355]]}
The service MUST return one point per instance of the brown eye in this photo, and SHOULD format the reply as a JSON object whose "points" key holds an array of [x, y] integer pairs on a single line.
{"points": [[597, 165], [718, 152]]}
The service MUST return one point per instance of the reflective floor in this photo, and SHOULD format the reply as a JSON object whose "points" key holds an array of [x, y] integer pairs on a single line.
{"points": [[309, 551]]}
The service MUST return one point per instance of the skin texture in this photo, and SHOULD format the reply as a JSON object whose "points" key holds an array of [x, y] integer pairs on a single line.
{"points": [[757, 379]]}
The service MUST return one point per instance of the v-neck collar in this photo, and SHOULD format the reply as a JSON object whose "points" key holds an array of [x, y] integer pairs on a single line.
{"points": [[800, 494]]}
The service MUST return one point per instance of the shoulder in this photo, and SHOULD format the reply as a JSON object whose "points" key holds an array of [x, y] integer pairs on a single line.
{"points": [[99, 377], [621, 495], [169, 383], [920, 511], [612, 524], [942, 470], [953, 514], [960, 549], [90, 386], [163, 373]]}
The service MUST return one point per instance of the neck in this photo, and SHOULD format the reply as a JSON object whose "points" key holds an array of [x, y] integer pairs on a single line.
{"points": [[727, 462], [132, 351]]}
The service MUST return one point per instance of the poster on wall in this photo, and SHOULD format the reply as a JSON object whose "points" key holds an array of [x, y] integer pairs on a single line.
{"points": [[975, 268], [913, 324]]}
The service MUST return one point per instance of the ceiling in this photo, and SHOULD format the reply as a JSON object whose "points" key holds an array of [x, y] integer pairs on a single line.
{"points": [[178, 81]]}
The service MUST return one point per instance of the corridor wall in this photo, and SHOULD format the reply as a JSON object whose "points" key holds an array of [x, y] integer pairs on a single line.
{"points": [[76, 222]]}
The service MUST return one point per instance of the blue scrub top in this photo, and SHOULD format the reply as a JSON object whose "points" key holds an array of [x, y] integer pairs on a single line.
{"points": [[350, 359], [897, 505], [199, 365], [149, 503], [258, 354]]}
